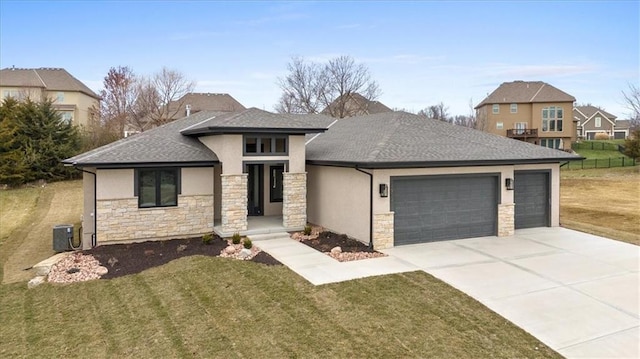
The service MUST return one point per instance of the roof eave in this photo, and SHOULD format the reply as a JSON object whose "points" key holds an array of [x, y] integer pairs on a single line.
{"points": [[243, 130], [114, 165], [433, 164]]}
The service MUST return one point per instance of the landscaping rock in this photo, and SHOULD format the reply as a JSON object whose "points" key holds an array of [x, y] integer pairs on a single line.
{"points": [[181, 248], [336, 250], [230, 250], [244, 253], [36, 281], [102, 270]]}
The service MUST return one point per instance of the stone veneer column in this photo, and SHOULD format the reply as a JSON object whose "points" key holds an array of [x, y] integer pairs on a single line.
{"points": [[294, 200], [383, 230], [234, 203], [506, 219]]}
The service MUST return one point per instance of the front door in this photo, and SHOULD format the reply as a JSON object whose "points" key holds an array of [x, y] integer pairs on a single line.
{"points": [[255, 189]]}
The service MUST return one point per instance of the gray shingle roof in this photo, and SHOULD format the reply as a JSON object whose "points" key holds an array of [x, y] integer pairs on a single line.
{"points": [[160, 146], [51, 79], [256, 120], [585, 112], [526, 92], [400, 139]]}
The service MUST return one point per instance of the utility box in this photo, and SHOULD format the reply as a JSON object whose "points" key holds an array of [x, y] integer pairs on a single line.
{"points": [[62, 237]]}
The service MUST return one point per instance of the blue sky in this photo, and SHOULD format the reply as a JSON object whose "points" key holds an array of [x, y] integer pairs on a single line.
{"points": [[420, 52]]}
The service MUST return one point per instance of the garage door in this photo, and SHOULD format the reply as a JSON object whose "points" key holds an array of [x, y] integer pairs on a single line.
{"points": [[437, 208], [619, 135], [532, 199]]}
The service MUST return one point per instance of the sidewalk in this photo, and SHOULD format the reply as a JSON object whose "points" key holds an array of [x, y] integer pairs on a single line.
{"points": [[319, 268]]}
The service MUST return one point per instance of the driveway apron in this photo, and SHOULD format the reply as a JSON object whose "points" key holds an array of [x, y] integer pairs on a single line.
{"points": [[577, 293]]}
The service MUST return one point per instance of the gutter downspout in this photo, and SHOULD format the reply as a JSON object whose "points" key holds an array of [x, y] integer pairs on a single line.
{"points": [[370, 205], [95, 208]]}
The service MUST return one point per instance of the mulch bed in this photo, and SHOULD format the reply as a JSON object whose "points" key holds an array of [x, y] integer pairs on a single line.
{"points": [[125, 259], [328, 240]]}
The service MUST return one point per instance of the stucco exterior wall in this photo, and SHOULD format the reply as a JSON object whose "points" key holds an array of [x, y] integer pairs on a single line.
{"points": [[228, 148], [338, 199], [197, 180], [115, 184], [88, 207], [509, 119]]}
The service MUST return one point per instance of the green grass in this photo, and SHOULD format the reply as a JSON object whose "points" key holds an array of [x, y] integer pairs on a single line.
{"points": [[15, 207], [591, 154], [210, 307]]}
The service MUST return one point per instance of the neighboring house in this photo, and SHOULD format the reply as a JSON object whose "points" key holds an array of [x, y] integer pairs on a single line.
{"points": [[354, 104], [592, 120], [73, 99], [386, 179], [531, 111], [188, 104]]}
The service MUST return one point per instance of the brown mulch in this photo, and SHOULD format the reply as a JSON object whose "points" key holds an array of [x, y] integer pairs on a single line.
{"points": [[328, 240], [125, 259]]}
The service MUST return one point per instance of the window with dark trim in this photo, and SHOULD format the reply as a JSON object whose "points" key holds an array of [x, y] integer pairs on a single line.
{"points": [[275, 183], [265, 145], [157, 187]]}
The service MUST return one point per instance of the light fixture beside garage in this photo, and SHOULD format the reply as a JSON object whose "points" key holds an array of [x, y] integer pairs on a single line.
{"points": [[384, 190], [509, 183]]}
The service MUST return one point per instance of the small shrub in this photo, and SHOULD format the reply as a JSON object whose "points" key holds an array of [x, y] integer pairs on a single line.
{"points": [[307, 230], [207, 238], [235, 239], [247, 243], [602, 136]]}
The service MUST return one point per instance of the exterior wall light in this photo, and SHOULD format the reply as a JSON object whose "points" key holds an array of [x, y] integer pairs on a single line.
{"points": [[384, 190], [509, 183]]}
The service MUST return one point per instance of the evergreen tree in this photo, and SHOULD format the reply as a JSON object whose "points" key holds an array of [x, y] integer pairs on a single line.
{"points": [[33, 141], [12, 165]]}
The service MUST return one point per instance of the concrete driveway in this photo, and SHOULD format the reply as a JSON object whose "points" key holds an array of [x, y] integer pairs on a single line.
{"points": [[577, 293]]}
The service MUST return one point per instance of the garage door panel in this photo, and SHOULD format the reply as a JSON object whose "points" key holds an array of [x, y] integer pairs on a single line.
{"points": [[531, 199], [440, 208]]}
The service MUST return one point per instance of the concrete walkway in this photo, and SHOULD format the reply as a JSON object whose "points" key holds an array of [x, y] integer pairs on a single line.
{"points": [[577, 293], [319, 268]]}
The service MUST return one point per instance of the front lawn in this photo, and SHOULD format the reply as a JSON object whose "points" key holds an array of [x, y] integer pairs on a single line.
{"points": [[208, 307], [602, 201]]}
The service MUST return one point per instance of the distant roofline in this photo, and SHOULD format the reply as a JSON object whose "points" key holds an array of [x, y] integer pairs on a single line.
{"points": [[146, 164]]}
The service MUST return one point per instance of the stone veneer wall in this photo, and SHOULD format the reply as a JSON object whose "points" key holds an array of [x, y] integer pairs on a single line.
{"points": [[506, 219], [383, 230], [294, 200], [122, 220], [234, 203]]}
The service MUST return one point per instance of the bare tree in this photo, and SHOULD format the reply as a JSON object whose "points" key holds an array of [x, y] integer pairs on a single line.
{"points": [[118, 98], [339, 88], [166, 87], [437, 112], [632, 102]]}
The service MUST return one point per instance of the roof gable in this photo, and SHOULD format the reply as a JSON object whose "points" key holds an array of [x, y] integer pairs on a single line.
{"points": [[526, 92], [51, 79]]}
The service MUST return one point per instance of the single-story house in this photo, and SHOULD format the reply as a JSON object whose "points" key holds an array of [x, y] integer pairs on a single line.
{"points": [[385, 179]]}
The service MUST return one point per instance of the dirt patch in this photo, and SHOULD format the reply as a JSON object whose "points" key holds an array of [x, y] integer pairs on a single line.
{"points": [[125, 259], [326, 242]]}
